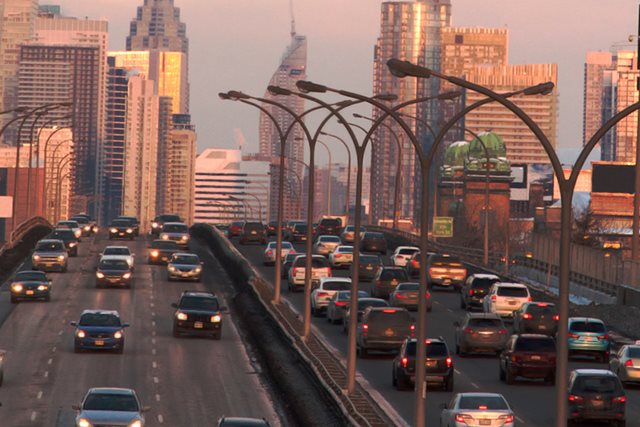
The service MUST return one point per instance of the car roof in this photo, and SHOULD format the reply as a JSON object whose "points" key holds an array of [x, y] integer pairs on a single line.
{"points": [[585, 319], [243, 422], [386, 308], [510, 285], [199, 294], [50, 241], [408, 247], [313, 256], [480, 394], [116, 247], [98, 311], [162, 240], [108, 257], [471, 315], [335, 279], [331, 236], [604, 372], [112, 390], [392, 267], [174, 223], [184, 253], [484, 276]]}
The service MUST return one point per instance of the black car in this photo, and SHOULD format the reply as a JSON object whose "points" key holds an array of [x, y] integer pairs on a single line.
{"points": [[84, 217], [373, 242], [198, 313], [298, 233], [253, 232], [438, 364], [286, 264], [475, 289], [68, 237], [113, 270], [99, 330], [386, 280], [121, 229], [29, 284], [384, 329], [530, 356], [536, 318], [595, 395], [84, 223], [133, 223], [363, 304], [161, 251], [272, 228], [158, 222], [329, 226], [369, 265]]}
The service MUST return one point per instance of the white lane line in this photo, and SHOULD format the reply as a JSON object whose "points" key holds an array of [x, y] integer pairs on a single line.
{"points": [[49, 362], [160, 419], [520, 420], [157, 398], [153, 351], [33, 416], [436, 302], [449, 310], [153, 314], [475, 385], [61, 332], [156, 380], [40, 394], [151, 304], [456, 371], [154, 364], [46, 374], [153, 323], [153, 333], [53, 350], [153, 341]]}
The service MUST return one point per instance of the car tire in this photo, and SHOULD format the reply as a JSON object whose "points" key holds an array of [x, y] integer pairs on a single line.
{"points": [[64, 269], [401, 384], [551, 379], [462, 304], [604, 358], [509, 377], [394, 380], [119, 350], [176, 334]]}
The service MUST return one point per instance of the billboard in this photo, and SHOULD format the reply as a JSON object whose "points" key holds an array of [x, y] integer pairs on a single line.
{"points": [[526, 174], [609, 177]]}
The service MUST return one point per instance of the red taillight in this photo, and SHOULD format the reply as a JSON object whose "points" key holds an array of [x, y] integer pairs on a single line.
{"points": [[603, 337], [400, 295], [483, 407], [449, 362], [365, 328], [619, 399], [506, 419], [502, 331], [404, 361], [468, 330], [462, 418], [572, 335], [493, 297], [574, 398], [428, 295], [295, 269], [470, 291], [323, 294], [412, 327], [556, 317], [342, 303], [527, 316], [542, 304], [629, 362], [269, 252], [514, 358], [529, 299]]}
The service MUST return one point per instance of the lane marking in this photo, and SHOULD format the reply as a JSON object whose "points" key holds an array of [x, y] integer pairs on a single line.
{"points": [[520, 420], [49, 362], [160, 419], [475, 385], [156, 380], [154, 364], [33, 416], [449, 310], [157, 398], [151, 304], [153, 351], [153, 322], [40, 394], [456, 371], [153, 333], [46, 374]]}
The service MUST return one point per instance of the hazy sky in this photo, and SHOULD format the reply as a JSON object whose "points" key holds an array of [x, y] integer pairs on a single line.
{"points": [[237, 44]]}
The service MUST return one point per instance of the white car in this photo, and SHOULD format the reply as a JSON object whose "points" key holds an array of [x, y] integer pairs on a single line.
{"points": [[319, 268], [120, 252], [269, 257], [110, 406], [342, 256], [505, 298], [477, 409], [322, 294], [326, 244], [403, 254]]}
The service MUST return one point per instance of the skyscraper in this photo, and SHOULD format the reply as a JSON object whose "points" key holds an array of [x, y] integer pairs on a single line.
{"points": [[626, 93], [595, 85], [292, 68], [409, 31]]}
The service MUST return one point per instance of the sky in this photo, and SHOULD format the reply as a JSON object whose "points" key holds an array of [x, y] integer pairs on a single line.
{"points": [[237, 44]]}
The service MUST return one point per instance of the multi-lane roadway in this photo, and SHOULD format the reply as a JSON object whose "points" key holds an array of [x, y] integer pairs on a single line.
{"points": [[185, 381], [533, 402]]}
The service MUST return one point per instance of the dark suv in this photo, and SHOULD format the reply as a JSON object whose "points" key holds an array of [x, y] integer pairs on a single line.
{"points": [[158, 222], [298, 233], [329, 226], [383, 328], [595, 395], [537, 318], [68, 237], [133, 223], [373, 242], [529, 356], [475, 289], [438, 364], [121, 228], [198, 313], [253, 232], [161, 251], [386, 280]]}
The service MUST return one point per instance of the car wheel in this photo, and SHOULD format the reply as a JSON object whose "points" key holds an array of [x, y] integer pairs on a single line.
{"points": [[64, 269], [509, 377], [448, 386], [551, 379], [176, 333], [77, 349], [394, 380], [119, 350], [604, 358], [401, 383]]}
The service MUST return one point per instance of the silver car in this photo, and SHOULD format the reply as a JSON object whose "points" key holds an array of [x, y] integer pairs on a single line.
{"points": [[111, 407], [269, 257], [480, 332], [50, 254], [626, 363], [120, 251], [322, 294], [348, 234], [341, 256], [326, 244], [406, 295], [339, 304], [184, 266], [477, 409], [176, 231]]}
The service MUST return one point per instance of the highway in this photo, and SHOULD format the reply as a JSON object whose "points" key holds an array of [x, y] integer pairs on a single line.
{"points": [[532, 402], [185, 381]]}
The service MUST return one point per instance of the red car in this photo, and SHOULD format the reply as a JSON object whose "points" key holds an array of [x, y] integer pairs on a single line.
{"points": [[235, 229]]}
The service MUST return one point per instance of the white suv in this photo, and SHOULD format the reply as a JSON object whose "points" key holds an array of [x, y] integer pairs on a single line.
{"points": [[403, 254], [322, 294], [319, 268], [505, 298]]}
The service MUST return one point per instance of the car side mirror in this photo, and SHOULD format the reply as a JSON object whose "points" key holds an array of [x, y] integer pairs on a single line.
{"points": [[145, 409], [73, 323], [201, 263], [76, 407], [174, 305], [126, 325]]}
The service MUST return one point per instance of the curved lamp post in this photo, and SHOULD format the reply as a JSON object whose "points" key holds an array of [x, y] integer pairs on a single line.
{"points": [[328, 177], [346, 203]]}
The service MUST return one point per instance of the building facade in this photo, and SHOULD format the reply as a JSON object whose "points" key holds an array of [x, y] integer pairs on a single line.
{"points": [[596, 85]]}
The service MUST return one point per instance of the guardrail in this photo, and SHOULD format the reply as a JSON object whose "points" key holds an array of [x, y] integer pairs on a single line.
{"points": [[22, 229]]}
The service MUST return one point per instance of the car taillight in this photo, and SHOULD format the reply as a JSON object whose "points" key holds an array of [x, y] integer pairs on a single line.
{"points": [[493, 297], [514, 358], [468, 331], [619, 399], [527, 316], [603, 337], [323, 294], [412, 327], [529, 299], [449, 362], [329, 272], [400, 295], [502, 331], [269, 252], [341, 303], [629, 362], [337, 255], [378, 283], [506, 419], [470, 291], [415, 263], [404, 362], [572, 335], [462, 418], [576, 399], [556, 317], [365, 328]]}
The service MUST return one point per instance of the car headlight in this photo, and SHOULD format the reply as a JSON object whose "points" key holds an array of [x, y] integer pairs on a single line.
{"points": [[154, 225], [129, 230], [42, 287], [96, 228], [36, 257], [82, 422], [113, 230], [198, 269], [72, 244], [60, 258], [87, 228], [185, 237], [181, 316], [100, 275], [80, 333], [136, 423], [155, 253], [126, 275], [164, 237], [216, 318], [17, 287], [171, 268], [117, 335], [78, 233]]}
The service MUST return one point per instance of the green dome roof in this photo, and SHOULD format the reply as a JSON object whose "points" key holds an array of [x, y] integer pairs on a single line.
{"points": [[456, 153], [495, 146]]}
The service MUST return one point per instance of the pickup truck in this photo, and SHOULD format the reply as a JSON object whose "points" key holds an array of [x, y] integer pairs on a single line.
{"points": [[446, 271]]}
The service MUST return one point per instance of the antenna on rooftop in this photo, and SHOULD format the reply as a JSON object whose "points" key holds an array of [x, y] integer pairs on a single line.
{"points": [[293, 19]]}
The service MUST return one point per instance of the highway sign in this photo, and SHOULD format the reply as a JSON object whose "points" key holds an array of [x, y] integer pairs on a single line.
{"points": [[442, 226]]}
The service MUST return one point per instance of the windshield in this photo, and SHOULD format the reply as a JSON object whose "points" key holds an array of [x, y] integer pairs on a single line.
{"points": [[582, 326], [72, 224], [300, 228], [408, 287], [370, 235], [370, 259], [81, 220], [99, 319], [634, 352], [330, 239], [336, 286], [391, 317], [164, 244], [199, 303], [536, 344], [169, 218], [483, 402], [515, 292], [63, 234], [407, 251], [116, 251], [114, 264], [540, 309], [50, 247], [434, 349], [110, 402], [315, 262], [290, 257], [397, 274], [128, 220], [119, 223], [483, 283], [345, 249], [186, 259], [285, 245], [175, 228], [485, 323], [362, 304], [26, 276], [596, 384]]}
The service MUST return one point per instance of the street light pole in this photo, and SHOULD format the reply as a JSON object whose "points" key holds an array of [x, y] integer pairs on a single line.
{"points": [[348, 190], [635, 235], [328, 177]]}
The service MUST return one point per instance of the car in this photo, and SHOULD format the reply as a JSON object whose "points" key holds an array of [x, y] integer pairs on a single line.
{"points": [[198, 313], [269, 256], [85, 224], [253, 232], [50, 254], [235, 229], [120, 251], [3, 354], [386, 280], [383, 329], [445, 271], [480, 332], [348, 233], [321, 294], [176, 231], [319, 268], [475, 289], [158, 222], [298, 233], [99, 330], [373, 242], [626, 363], [339, 304], [438, 364], [242, 422], [288, 226], [506, 298], [71, 225], [161, 251], [413, 265], [595, 395], [286, 264], [325, 244], [403, 254], [477, 409], [329, 226], [69, 238], [272, 228], [530, 356], [120, 229], [363, 303], [369, 266], [537, 318], [103, 406], [30, 284], [113, 271], [184, 266], [133, 223], [589, 336], [406, 295], [341, 256]]}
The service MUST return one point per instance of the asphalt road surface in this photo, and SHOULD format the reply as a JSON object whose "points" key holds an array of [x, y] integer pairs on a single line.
{"points": [[533, 402], [185, 381]]}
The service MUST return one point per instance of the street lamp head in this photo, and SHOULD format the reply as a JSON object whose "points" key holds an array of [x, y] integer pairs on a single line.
{"points": [[449, 95], [405, 68], [235, 95], [66, 104], [21, 109], [277, 90], [344, 103], [358, 116], [307, 86], [540, 89], [224, 96], [386, 97]]}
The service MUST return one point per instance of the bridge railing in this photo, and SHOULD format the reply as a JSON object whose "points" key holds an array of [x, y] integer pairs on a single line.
{"points": [[23, 228]]}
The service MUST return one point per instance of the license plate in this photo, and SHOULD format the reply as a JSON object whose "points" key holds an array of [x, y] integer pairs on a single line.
{"points": [[543, 327], [485, 422], [447, 281], [535, 358], [431, 363], [29, 292], [597, 403], [198, 325], [369, 267], [253, 232], [394, 282], [588, 338], [513, 302], [99, 342], [389, 332]]}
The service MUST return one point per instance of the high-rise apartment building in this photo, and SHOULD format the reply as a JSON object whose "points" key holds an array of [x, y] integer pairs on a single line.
{"points": [[595, 86], [522, 145], [409, 31], [292, 68], [626, 93]]}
